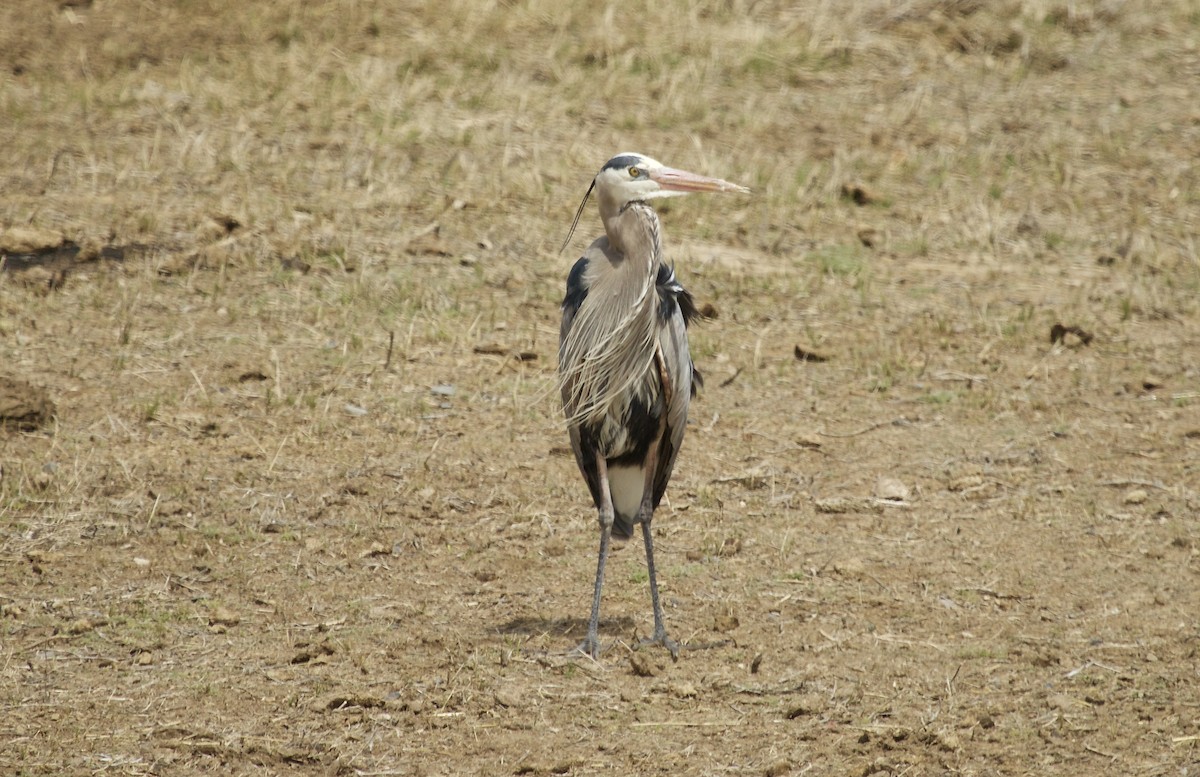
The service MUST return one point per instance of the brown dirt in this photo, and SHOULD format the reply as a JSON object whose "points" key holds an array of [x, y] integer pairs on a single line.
{"points": [[305, 506]]}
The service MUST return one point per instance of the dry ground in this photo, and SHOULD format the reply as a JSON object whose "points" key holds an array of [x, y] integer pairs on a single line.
{"points": [[305, 506]]}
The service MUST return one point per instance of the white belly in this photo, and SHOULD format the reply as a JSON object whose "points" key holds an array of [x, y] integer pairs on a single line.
{"points": [[626, 485]]}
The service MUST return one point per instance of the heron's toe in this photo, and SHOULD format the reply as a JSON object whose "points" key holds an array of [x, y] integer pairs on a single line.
{"points": [[662, 639], [590, 647]]}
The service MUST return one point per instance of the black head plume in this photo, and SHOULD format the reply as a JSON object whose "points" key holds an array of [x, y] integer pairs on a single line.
{"points": [[578, 213]]}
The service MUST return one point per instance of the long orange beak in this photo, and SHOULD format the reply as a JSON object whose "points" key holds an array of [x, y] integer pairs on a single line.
{"points": [[683, 181]]}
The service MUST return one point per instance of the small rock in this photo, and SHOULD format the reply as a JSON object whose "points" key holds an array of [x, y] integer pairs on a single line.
{"points": [[835, 505], [966, 482], [683, 690], [1136, 496], [1065, 703], [891, 489], [808, 441], [223, 616], [376, 549], [354, 410], [851, 567], [507, 698], [84, 625]]}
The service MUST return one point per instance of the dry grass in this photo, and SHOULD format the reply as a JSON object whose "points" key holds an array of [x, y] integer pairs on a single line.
{"points": [[256, 539]]}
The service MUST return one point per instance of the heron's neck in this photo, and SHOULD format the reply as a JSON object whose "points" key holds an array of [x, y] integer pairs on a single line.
{"points": [[634, 231]]}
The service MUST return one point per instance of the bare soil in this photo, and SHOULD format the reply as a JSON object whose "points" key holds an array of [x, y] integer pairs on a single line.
{"points": [[283, 279]]}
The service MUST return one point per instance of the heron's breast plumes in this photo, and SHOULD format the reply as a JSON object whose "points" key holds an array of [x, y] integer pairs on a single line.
{"points": [[606, 360]]}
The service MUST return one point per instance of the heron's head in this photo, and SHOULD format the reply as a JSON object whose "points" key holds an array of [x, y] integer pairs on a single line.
{"points": [[630, 177]]}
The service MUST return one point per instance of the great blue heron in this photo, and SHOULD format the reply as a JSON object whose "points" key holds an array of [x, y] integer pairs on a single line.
{"points": [[624, 368]]}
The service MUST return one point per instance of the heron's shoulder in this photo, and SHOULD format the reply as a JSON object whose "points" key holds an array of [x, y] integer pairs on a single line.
{"points": [[576, 284], [666, 280], [674, 295]]}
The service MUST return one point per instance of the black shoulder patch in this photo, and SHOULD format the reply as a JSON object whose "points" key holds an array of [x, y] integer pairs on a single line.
{"points": [[576, 291], [687, 306], [673, 295]]}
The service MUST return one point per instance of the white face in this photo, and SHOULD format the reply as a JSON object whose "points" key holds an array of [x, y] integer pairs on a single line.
{"points": [[626, 178], [629, 177]]}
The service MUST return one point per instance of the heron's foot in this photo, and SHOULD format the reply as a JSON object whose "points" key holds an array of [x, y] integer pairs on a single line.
{"points": [[661, 638], [590, 647]]}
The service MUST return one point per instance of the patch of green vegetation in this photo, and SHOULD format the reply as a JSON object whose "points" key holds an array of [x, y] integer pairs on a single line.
{"points": [[882, 376], [939, 397], [914, 246], [149, 410], [981, 653], [840, 260]]}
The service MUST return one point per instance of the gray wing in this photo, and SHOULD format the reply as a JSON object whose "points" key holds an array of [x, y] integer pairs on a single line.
{"points": [[677, 309], [576, 294]]}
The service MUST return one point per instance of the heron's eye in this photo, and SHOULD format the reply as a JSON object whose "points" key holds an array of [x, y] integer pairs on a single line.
{"points": [[634, 172]]}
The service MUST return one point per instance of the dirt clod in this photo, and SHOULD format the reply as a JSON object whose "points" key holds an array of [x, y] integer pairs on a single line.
{"points": [[777, 769], [641, 664], [724, 623], [339, 700], [805, 355], [1059, 332], [23, 406], [859, 194]]}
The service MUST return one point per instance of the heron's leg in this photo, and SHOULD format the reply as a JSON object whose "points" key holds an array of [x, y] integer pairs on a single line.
{"points": [[645, 515], [591, 645], [660, 630]]}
